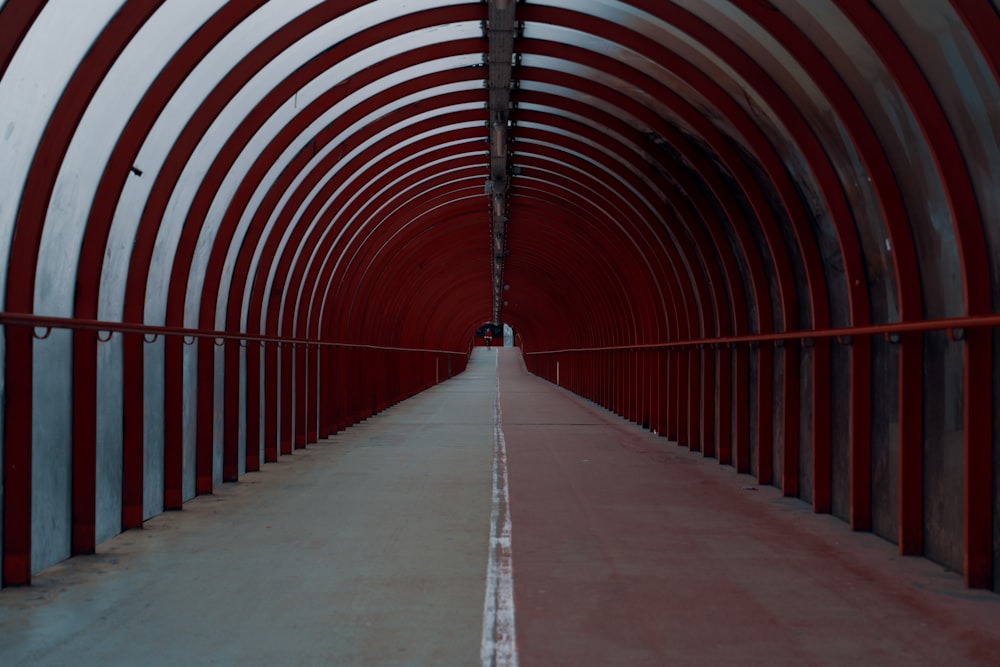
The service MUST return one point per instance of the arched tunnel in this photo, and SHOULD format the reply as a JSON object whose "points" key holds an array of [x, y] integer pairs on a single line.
{"points": [[763, 229]]}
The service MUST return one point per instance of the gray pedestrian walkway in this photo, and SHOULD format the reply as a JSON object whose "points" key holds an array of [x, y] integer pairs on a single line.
{"points": [[366, 549]]}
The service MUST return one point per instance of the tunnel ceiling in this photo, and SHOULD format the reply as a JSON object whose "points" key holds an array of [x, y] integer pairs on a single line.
{"points": [[594, 173]]}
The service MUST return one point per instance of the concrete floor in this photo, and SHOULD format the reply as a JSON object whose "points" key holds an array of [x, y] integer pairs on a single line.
{"points": [[629, 550], [371, 549], [367, 549]]}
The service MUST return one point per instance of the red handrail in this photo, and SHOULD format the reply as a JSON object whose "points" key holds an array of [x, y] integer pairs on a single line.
{"points": [[49, 323], [954, 325]]}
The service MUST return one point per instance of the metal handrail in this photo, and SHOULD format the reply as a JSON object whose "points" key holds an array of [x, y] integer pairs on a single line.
{"points": [[100, 326], [955, 326]]}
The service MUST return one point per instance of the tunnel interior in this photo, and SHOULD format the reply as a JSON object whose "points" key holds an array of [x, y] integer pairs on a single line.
{"points": [[763, 229]]}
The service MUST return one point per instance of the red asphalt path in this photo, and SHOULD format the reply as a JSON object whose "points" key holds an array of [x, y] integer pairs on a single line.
{"points": [[628, 550]]}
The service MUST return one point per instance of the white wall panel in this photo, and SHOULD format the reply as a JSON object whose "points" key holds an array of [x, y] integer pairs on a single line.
{"points": [[143, 59], [29, 91], [243, 412], [218, 421], [109, 438], [153, 423], [52, 451], [190, 424]]}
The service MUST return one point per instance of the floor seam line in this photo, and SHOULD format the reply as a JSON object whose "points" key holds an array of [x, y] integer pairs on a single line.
{"points": [[499, 642]]}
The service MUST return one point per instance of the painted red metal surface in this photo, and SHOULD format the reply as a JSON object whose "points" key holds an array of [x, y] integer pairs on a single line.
{"points": [[17, 464]]}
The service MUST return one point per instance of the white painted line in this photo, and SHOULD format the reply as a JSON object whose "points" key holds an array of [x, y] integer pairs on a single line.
{"points": [[499, 646]]}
